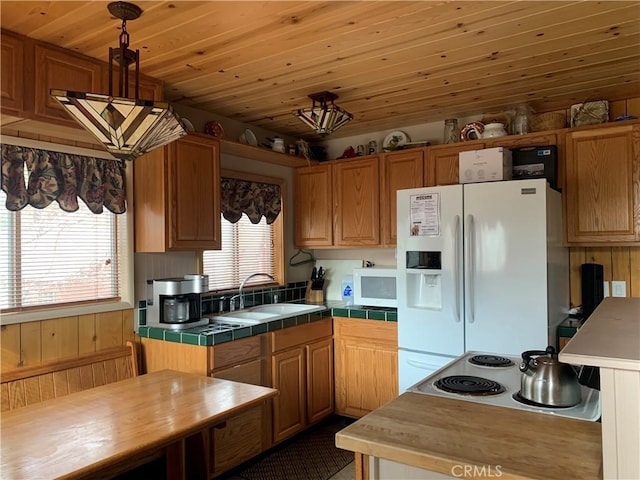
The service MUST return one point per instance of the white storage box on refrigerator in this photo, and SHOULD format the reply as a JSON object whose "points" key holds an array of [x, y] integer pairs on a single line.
{"points": [[487, 165]]}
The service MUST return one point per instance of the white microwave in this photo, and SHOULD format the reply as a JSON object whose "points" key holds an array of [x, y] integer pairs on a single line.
{"points": [[375, 286]]}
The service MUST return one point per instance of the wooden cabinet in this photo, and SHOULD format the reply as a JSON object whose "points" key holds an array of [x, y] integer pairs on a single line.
{"points": [[442, 166], [57, 68], [12, 74], [356, 190], [247, 433], [289, 408], [313, 206], [366, 365], [177, 196], [320, 388], [602, 182], [302, 371], [400, 170]]}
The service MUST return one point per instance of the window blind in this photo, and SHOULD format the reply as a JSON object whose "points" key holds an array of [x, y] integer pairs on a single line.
{"points": [[55, 257], [246, 248]]}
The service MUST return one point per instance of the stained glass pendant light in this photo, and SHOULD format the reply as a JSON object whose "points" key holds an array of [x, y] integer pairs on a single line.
{"points": [[127, 127], [324, 116]]}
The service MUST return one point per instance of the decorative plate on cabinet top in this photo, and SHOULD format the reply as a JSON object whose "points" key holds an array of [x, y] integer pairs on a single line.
{"points": [[214, 128], [188, 126], [395, 141], [248, 138], [471, 131]]}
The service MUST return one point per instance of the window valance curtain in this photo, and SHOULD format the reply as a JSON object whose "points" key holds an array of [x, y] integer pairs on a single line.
{"points": [[62, 177], [256, 199]]}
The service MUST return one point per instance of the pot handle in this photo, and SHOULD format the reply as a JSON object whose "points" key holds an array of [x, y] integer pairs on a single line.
{"points": [[526, 356]]}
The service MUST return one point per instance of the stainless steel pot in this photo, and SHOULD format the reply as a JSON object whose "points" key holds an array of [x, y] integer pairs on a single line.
{"points": [[547, 381], [175, 310]]}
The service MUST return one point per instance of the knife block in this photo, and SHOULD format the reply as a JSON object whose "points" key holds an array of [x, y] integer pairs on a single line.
{"points": [[314, 296]]}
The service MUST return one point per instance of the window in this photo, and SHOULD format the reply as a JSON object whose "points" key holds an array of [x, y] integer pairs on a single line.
{"points": [[56, 257], [51, 258], [246, 247]]}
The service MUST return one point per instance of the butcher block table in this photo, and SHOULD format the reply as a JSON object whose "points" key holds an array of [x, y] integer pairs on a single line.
{"points": [[461, 439], [110, 429]]}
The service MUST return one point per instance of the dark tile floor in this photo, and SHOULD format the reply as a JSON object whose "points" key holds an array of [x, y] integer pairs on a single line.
{"points": [[311, 455]]}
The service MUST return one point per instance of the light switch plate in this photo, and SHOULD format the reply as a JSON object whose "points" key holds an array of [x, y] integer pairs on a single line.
{"points": [[618, 289]]}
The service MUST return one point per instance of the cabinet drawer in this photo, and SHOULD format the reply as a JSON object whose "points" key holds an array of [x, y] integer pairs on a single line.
{"points": [[307, 333], [367, 330], [238, 351], [249, 372], [237, 439]]}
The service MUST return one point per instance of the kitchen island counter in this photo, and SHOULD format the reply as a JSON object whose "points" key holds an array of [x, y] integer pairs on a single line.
{"points": [[446, 435]]}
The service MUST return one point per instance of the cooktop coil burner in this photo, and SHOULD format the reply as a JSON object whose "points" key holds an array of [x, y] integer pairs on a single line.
{"points": [[490, 361], [519, 398], [469, 385]]}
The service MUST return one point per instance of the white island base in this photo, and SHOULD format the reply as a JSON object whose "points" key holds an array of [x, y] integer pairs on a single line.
{"points": [[610, 340]]}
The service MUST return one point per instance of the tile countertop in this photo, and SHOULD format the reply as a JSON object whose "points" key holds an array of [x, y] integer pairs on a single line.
{"points": [[200, 335]]}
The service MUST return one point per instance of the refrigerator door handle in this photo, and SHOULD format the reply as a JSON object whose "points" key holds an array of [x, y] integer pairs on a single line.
{"points": [[457, 267], [470, 267], [428, 366]]}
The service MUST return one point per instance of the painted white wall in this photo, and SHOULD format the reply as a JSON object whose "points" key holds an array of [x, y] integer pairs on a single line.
{"points": [[430, 132], [339, 263]]}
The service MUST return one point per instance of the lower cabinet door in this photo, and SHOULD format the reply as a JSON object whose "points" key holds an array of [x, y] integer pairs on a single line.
{"points": [[319, 380], [288, 373], [236, 440]]}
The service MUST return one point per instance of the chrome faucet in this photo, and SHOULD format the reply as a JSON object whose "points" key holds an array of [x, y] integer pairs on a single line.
{"points": [[232, 302]]}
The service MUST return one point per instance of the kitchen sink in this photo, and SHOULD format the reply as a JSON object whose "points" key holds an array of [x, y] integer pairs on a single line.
{"points": [[265, 313], [286, 308]]}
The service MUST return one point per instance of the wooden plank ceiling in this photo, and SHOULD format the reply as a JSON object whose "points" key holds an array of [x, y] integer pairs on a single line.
{"points": [[391, 63]]}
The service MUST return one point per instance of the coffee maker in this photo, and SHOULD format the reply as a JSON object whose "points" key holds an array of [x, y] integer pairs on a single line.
{"points": [[174, 303]]}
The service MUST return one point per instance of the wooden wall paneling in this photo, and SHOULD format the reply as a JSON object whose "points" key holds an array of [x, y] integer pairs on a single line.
{"points": [[108, 329], [634, 267], [601, 255], [633, 106], [30, 343], [621, 266], [128, 333], [59, 338], [577, 256], [87, 333], [9, 347], [617, 109]]}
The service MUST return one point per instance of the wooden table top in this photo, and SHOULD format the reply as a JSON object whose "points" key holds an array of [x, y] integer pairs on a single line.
{"points": [[438, 434], [87, 431]]}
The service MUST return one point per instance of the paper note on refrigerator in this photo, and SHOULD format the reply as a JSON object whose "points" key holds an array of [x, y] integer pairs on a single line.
{"points": [[425, 215]]}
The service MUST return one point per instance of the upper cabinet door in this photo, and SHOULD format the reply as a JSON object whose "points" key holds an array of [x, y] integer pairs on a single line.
{"points": [[603, 185], [194, 194], [401, 170], [442, 163], [313, 206], [356, 186], [11, 85], [56, 68]]}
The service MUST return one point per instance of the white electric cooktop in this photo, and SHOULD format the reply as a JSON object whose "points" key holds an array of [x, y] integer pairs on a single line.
{"points": [[507, 375]]}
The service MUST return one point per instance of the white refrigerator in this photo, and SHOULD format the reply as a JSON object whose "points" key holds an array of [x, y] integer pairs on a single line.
{"points": [[481, 267]]}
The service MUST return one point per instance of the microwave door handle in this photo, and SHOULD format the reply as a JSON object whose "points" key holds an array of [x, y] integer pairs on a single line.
{"points": [[470, 233], [457, 267]]}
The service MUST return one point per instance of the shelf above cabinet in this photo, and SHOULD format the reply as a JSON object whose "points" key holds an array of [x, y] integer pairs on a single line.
{"points": [[263, 155]]}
